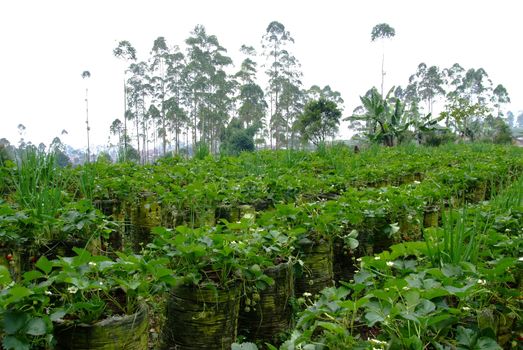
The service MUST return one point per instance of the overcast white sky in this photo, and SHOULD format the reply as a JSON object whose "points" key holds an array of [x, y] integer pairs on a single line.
{"points": [[45, 46]]}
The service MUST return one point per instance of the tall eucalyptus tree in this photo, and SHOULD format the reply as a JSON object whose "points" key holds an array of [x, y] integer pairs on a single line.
{"points": [[176, 85], [158, 67], [382, 31], [476, 86], [428, 84], [283, 71], [499, 98], [315, 93], [209, 86], [137, 89], [251, 98], [468, 97], [116, 129], [126, 52], [510, 119]]}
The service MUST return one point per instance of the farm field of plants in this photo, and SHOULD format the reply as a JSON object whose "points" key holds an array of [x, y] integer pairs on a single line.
{"points": [[404, 247]]}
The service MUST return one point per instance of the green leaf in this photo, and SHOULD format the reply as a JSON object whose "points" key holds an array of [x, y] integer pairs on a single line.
{"points": [[407, 248], [261, 284], [14, 321], [82, 256], [395, 284], [413, 342], [32, 275], [17, 293], [466, 337], [334, 328], [430, 284], [44, 264], [36, 326], [5, 276], [451, 270], [57, 315], [162, 272], [458, 291], [12, 343], [412, 298], [435, 320], [409, 316], [352, 243], [434, 293], [384, 295], [502, 266], [485, 343], [425, 307], [373, 317], [347, 304]]}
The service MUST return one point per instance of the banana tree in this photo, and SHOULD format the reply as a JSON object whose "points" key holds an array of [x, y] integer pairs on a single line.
{"points": [[384, 118], [423, 124]]}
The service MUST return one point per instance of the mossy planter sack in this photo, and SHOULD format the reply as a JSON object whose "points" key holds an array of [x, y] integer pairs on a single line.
{"points": [[170, 216], [129, 332], [431, 216], [344, 261], [173, 216], [112, 208], [262, 204], [201, 318], [316, 272], [477, 191], [108, 207], [506, 326], [267, 313], [373, 238], [409, 227], [232, 213], [145, 214], [503, 324], [376, 227]]}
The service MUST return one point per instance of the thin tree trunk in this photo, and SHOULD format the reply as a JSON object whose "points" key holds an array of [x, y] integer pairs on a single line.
{"points": [[154, 139], [164, 135], [382, 66], [137, 131], [187, 142], [124, 120], [87, 125], [194, 124], [177, 147], [176, 136], [144, 129]]}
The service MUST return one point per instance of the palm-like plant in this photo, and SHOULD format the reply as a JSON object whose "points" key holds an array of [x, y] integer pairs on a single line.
{"points": [[424, 124], [384, 117]]}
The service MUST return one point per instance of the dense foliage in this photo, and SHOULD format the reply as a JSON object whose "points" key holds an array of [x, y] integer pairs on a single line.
{"points": [[219, 223]]}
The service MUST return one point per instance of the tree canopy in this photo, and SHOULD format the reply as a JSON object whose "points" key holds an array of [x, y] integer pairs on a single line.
{"points": [[320, 119]]}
